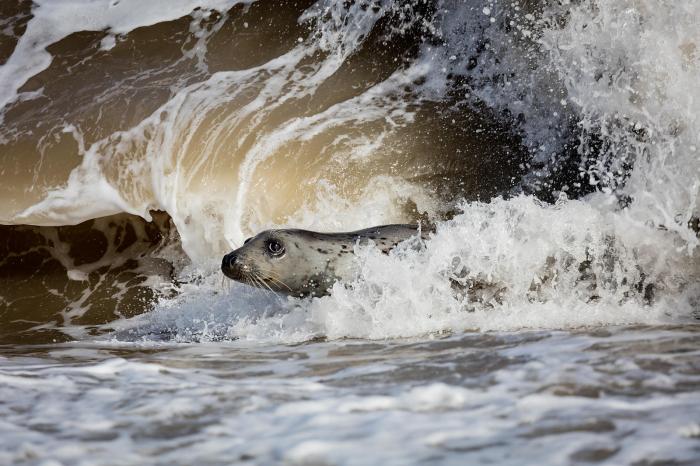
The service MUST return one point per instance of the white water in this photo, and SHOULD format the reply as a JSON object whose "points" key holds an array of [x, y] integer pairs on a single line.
{"points": [[624, 70], [524, 398], [520, 243]]}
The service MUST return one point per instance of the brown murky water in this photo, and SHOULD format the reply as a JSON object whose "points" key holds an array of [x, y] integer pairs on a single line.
{"points": [[162, 118]]}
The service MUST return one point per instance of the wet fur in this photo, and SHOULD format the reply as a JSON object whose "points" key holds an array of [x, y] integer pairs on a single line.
{"points": [[312, 261]]}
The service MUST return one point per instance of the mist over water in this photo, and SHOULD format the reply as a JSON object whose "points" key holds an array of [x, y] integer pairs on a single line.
{"points": [[555, 146]]}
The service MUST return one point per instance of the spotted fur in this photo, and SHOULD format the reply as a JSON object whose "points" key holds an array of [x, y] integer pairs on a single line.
{"points": [[311, 262]]}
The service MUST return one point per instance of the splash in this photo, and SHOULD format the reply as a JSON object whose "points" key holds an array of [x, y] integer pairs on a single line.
{"points": [[334, 115], [624, 255]]}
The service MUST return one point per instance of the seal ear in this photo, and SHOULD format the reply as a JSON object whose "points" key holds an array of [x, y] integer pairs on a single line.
{"points": [[246, 241]]}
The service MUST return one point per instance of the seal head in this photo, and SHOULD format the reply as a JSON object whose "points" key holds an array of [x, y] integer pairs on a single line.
{"points": [[304, 263]]}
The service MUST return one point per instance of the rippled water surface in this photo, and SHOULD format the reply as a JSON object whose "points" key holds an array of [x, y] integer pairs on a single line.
{"points": [[622, 395]]}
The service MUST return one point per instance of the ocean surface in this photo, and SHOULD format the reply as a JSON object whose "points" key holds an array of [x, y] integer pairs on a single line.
{"points": [[553, 317]]}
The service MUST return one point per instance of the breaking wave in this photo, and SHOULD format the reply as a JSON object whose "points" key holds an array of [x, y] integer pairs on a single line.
{"points": [[553, 144]]}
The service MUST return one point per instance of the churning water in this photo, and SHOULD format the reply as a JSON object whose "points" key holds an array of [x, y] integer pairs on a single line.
{"points": [[555, 146]]}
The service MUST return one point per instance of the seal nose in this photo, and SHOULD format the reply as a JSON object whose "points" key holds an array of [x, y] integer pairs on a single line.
{"points": [[228, 261]]}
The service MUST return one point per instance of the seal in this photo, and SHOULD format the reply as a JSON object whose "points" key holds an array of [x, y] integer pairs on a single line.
{"points": [[305, 263]]}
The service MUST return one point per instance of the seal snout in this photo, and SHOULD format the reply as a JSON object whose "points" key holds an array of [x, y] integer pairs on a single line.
{"points": [[230, 267], [305, 263], [229, 260]]}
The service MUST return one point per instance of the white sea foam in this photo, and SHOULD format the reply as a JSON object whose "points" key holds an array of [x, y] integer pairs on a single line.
{"points": [[525, 398], [624, 71], [530, 253]]}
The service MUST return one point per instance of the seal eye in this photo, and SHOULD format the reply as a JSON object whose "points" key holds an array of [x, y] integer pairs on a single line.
{"points": [[275, 248]]}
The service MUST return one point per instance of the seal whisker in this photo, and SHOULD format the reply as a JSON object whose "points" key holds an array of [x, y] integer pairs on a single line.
{"points": [[253, 277], [278, 281], [269, 275], [256, 280], [253, 281], [262, 281], [266, 285], [304, 262]]}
